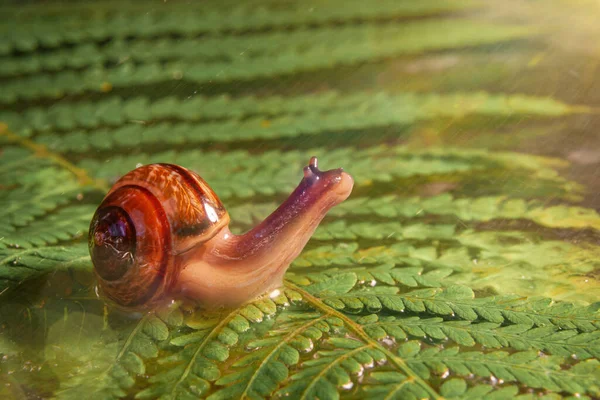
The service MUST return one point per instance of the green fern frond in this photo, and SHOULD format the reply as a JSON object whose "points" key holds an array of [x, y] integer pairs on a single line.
{"points": [[324, 376], [111, 377], [17, 165], [65, 224], [214, 49], [470, 209], [194, 362], [499, 260], [485, 253], [473, 209], [434, 35], [19, 265], [39, 192], [44, 204], [528, 368], [276, 113], [550, 339], [241, 174], [375, 274], [260, 373], [28, 35], [337, 121], [459, 302], [386, 230]]}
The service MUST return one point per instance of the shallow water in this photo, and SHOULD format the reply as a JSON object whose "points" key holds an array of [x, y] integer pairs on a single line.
{"points": [[469, 128]]}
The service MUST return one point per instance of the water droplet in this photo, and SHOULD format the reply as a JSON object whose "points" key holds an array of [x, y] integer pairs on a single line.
{"points": [[310, 347], [360, 372]]}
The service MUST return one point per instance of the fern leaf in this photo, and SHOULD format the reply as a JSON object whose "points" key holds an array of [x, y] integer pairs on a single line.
{"points": [[119, 371], [323, 377], [387, 273], [41, 191], [18, 265], [528, 368], [18, 164], [398, 110], [237, 173], [550, 339], [473, 209], [211, 49], [435, 35], [484, 259], [459, 302], [41, 32], [193, 367], [66, 224], [367, 230], [45, 203], [241, 175], [260, 373], [275, 112]]}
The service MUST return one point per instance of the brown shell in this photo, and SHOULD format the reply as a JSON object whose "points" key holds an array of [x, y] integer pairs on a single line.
{"points": [[194, 211], [168, 209]]}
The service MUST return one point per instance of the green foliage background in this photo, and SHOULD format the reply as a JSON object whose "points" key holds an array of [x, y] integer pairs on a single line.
{"points": [[463, 265]]}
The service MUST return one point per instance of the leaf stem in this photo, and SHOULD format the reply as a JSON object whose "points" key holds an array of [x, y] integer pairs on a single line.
{"points": [[358, 331], [274, 351], [214, 332], [42, 151]]}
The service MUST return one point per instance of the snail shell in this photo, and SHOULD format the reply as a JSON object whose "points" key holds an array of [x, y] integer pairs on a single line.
{"points": [[151, 214]]}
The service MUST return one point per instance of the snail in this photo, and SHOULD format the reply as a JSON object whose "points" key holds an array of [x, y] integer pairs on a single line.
{"points": [[161, 232]]}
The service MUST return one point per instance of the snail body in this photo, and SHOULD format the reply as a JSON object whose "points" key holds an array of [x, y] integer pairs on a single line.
{"points": [[162, 232]]}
